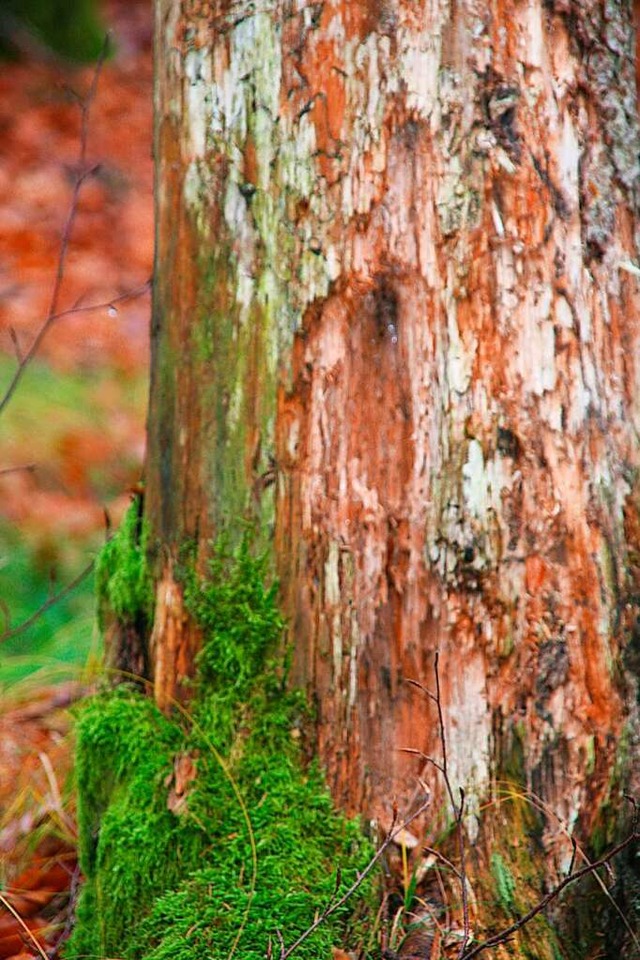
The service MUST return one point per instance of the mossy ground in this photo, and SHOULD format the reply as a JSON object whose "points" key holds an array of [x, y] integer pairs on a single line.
{"points": [[254, 846]]}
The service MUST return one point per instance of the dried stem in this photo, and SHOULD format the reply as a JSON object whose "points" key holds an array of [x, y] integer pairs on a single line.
{"points": [[572, 876], [457, 808], [334, 904], [508, 932], [84, 172], [51, 602], [21, 468]]}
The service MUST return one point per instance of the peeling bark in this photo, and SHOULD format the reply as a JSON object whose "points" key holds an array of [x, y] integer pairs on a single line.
{"points": [[395, 274]]}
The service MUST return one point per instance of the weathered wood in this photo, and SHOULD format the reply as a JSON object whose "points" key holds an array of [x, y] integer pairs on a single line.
{"points": [[396, 274]]}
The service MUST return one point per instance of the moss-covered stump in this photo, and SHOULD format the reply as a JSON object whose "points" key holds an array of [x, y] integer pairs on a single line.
{"points": [[204, 834]]}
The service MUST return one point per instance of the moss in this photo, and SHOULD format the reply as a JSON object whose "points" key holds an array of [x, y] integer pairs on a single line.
{"points": [[511, 871], [254, 844], [505, 883], [516, 874], [123, 582], [510, 874]]}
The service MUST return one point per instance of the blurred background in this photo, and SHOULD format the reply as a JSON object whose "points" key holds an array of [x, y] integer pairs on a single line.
{"points": [[74, 428], [72, 434]]}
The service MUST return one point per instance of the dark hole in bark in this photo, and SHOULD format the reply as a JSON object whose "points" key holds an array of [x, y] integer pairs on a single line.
{"points": [[507, 443], [385, 310]]}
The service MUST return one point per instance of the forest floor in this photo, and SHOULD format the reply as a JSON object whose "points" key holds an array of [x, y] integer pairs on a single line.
{"points": [[76, 421]]}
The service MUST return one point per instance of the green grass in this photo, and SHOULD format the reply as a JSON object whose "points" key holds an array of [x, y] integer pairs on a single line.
{"points": [[48, 412], [50, 409], [60, 641]]}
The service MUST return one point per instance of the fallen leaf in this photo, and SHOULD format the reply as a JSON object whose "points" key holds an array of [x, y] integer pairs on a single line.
{"points": [[404, 838]]}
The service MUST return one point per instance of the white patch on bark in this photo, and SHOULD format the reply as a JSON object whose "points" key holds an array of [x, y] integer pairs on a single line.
{"points": [[420, 55], [460, 357], [569, 153], [468, 731], [475, 482], [332, 603], [536, 363]]}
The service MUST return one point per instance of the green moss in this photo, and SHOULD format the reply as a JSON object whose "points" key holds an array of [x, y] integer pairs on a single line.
{"points": [[123, 581], [517, 876], [255, 846], [504, 881]]}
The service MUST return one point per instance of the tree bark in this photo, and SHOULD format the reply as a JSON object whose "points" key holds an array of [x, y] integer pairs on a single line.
{"points": [[396, 320]]}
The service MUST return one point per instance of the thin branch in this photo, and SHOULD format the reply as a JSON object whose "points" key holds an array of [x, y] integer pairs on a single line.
{"points": [[104, 304], [83, 174], [457, 811], [5, 903], [457, 808], [442, 859], [25, 359], [466, 933], [421, 686], [423, 756], [51, 602], [22, 468], [65, 933], [334, 904], [16, 343], [508, 932]]}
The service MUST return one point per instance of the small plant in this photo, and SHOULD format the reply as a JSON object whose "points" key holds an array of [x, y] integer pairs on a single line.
{"points": [[505, 884]]}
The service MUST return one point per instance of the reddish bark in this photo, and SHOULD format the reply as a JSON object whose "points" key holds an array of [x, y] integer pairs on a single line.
{"points": [[425, 319]]}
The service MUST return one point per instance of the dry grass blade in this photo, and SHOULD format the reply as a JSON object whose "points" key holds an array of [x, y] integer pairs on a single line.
{"points": [[507, 934], [5, 903], [56, 797]]}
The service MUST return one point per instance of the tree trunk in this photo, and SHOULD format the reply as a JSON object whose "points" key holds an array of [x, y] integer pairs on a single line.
{"points": [[396, 321]]}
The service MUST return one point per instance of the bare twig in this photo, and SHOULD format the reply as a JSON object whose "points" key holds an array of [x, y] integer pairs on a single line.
{"points": [[22, 468], [542, 904], [65, 933], [442, 859], [84, 172], [104, 304], [51, 602], [505, 935], [334, 904], [16, 344], [457, 808]]}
